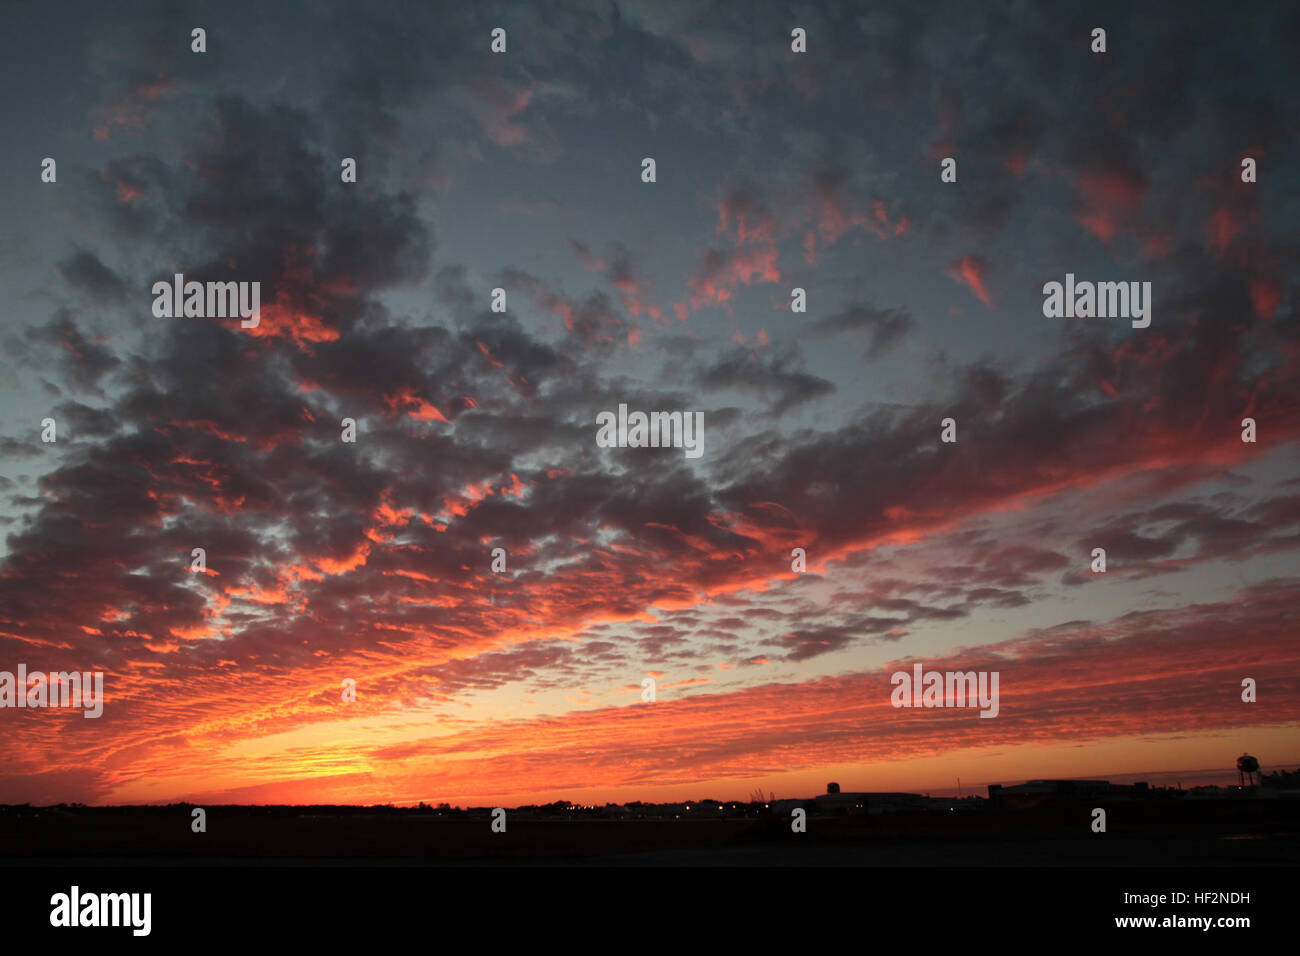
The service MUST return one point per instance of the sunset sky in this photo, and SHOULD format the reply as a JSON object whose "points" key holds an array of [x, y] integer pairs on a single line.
{"points": [[371, 560]]}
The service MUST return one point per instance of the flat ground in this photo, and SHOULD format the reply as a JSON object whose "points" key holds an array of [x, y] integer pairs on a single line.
{"points": [[1154, 833]]}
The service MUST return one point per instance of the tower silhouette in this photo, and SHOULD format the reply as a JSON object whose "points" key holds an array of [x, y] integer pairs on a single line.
{"points": [[1247, 766]]}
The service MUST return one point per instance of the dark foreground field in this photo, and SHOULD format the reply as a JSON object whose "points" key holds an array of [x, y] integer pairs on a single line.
{"points": [[1186, 833]]}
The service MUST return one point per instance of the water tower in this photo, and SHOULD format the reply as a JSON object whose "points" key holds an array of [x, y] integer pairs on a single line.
{"points": [[1247, 766]]}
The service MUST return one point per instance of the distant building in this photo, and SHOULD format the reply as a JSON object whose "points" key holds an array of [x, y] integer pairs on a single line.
{"points": [[1043, 792], [835, 803]]}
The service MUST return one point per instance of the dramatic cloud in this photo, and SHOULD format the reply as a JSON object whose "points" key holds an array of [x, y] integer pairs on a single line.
{"points": [[826, 535]]}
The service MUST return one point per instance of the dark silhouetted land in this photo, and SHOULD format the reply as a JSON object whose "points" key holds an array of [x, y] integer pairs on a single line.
{"points": [[1243, 832]]}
